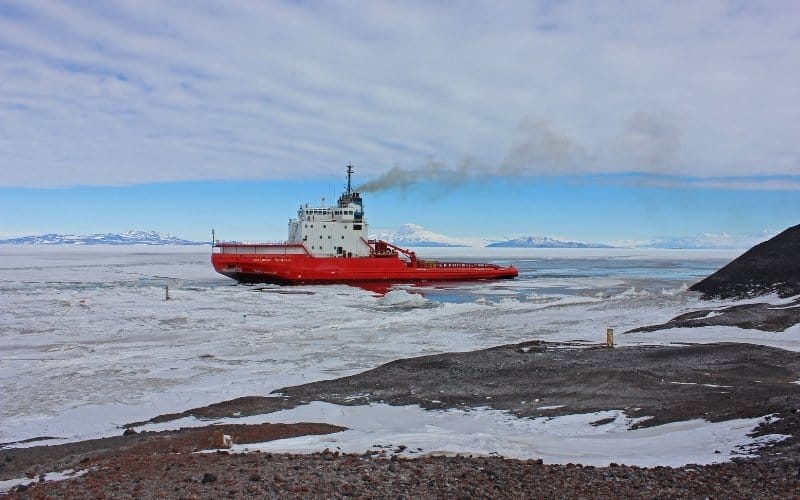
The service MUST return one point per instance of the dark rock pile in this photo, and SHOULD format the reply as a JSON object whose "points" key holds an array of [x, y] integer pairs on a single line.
{"points": [[771, 266], [761, 316]]}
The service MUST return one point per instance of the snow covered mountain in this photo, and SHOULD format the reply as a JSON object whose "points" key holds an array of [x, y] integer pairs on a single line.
{"points": [[126, 238], [543, 242], [412, 235], [711, 241]]}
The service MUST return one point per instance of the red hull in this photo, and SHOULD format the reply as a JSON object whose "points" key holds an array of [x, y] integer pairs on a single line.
{"points": [[294, 268]]}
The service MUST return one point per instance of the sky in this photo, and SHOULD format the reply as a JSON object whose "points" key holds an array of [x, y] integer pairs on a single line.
{"points": [[599, 121]]}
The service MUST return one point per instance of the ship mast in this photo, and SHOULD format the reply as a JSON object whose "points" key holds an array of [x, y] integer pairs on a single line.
{"points": [[349, 176]]}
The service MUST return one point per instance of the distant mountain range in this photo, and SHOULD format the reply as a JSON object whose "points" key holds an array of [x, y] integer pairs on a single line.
{"points": [[543, 242], [412, 235], [711, 241], [126, 238]]}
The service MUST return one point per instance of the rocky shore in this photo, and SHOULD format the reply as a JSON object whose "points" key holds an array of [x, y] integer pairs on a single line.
{"points": [[759, 316], [771, 267], [666, 383], [181, 474], [758, 381]]}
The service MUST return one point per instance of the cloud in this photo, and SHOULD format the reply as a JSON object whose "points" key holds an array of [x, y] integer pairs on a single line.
{"points": [[124, 92], [768, 183]]}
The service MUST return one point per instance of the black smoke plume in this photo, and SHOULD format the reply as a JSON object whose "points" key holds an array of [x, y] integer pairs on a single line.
{"points": [[537, 148], [432, 173]]}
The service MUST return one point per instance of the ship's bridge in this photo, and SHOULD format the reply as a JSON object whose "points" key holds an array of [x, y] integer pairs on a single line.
{"points": [[333, 231], [312, 213], [346, 213], [330, 231]]}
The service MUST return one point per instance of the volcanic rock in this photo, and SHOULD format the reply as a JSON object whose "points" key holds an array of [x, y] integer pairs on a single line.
{"points": [[771, 266], [759, 316]]}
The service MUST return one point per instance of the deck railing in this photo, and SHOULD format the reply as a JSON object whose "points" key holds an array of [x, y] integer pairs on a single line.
{"points": [[455, 265]]}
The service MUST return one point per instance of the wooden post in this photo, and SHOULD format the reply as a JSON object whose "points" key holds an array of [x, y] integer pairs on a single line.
{"points": [[167, 295], [609, 337]]}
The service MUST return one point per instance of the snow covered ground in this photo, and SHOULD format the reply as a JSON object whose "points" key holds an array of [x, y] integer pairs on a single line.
{"points": [[88, 343], [410, 432]]}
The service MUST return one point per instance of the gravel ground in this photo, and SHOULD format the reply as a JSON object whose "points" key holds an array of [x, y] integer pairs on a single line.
{"points": [[329, 475], [167, 465], [37, 460], [761, 316], [715, 382]]}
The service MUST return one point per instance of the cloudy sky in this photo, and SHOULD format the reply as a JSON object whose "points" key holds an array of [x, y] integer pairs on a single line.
{"points": [[587, 120]]}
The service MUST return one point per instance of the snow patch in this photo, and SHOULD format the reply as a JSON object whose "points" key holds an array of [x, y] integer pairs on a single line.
{"points": [[410, 431], [8, 484]]}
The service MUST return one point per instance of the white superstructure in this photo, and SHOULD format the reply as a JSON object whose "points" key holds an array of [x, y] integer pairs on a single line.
{"points": [[339, 230]]}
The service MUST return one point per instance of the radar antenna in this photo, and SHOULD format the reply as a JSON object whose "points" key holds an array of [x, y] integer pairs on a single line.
{"points": [[349, 176]]}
